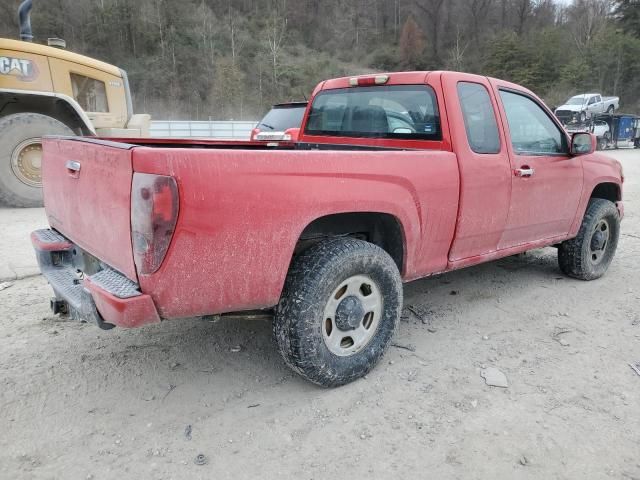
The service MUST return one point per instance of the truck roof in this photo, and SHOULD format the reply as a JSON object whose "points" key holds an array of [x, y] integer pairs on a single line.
{"points": [[44, 50], [404, 78], [395, 78]]}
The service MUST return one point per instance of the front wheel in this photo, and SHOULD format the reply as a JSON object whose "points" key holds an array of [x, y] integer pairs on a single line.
{"points": [[589, 254], [339, 310]]}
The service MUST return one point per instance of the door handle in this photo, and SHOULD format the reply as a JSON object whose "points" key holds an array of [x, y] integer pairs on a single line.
{"points": [[524, 172], [73, 168]]}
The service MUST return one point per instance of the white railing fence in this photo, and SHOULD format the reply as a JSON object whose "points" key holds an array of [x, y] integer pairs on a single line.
{"points": [[219, 130]]}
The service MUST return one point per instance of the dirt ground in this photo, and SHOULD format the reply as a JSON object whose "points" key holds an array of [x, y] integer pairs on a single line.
{"points": [[80, 403]]}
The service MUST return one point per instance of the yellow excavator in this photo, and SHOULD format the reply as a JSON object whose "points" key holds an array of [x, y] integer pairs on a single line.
{"points": [[47, 90]]}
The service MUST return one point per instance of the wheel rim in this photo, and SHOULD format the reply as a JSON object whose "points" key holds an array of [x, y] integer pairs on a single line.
{"points": [[26, 162], [599, 241], [352, 315]]}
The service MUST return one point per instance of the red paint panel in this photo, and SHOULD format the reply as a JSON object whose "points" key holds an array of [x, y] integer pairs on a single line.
{"points": [[242, 212], [91, 206]]}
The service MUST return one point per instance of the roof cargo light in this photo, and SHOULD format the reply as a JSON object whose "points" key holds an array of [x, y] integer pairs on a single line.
{"points": [[368, 81]]}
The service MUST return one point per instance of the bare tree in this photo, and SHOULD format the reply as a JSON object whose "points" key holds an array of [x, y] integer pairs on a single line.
{"points": [[523, 10], [586, 19], [432, 9], [411, 43], [276, 30], [478, 12], [457, 54]]}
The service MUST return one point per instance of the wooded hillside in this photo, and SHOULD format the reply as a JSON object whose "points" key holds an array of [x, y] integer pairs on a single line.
{"points": [[195, 59]]}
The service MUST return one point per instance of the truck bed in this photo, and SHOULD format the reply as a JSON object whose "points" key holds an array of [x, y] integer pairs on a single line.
{"points": [[243, 207]]}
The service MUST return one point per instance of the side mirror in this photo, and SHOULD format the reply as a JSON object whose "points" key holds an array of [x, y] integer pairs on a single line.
{"points": [[583, 143]]}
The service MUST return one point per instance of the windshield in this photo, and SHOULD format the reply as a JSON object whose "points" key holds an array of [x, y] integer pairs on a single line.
{"points": [[395, 111], [281, 118], [577, 100]]}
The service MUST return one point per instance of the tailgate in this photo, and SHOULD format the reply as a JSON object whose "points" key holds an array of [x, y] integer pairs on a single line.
{"points": [[87, 197]]}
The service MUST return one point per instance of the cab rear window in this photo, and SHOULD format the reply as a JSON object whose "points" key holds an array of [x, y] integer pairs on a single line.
{"points": [[281, 118], [393, 111]]}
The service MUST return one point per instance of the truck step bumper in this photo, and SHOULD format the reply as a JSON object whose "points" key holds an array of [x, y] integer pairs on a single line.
{"points": [[106, 298]]}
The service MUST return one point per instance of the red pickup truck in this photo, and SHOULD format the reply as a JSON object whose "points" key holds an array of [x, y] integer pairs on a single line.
{"points": [[394, 177]]}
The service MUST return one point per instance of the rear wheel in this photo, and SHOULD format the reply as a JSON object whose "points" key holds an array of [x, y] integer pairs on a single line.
{"points": [[589, 254], [21, 156], [610, 109], [339, 310]]}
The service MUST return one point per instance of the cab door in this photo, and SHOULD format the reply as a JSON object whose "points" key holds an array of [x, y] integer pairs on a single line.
{"points": [[483, 162], [546, 182]]}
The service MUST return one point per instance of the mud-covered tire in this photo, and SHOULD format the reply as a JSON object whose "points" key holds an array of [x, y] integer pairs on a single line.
{"points": [[300, 326], [15, 131], [577, 257]]}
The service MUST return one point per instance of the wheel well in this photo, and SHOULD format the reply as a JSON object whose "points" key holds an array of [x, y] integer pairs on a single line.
{"points": [[53, 107], [607, 191], [380, 229]]}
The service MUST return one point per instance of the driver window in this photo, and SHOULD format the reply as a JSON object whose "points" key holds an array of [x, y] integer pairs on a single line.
{"points": [[532, 131], [592, 100]]}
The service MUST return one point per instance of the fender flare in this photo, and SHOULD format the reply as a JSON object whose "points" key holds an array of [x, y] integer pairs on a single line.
{"points": [[75, 106]]}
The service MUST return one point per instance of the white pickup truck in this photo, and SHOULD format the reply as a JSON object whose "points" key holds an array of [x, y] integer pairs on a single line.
{"points": [[581, 107]]}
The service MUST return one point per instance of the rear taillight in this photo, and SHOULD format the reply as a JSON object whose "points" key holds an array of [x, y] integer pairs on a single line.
{"points": [[154, 213], [291, 134]]}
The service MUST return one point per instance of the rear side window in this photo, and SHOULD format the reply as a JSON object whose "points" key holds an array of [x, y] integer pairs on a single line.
{"points": [[395, 111], [89, 93], [479, 118]]}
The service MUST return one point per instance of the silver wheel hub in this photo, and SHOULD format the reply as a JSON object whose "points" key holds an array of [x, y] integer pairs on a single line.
{"points": [[599, 241], [352, 315]]}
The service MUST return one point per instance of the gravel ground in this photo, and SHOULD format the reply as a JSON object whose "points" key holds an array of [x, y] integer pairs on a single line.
{"points": [[80, 403], [17, 260]]}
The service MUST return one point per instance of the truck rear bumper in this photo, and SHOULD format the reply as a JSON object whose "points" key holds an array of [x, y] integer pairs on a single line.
{"points": [[106, 297]]}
